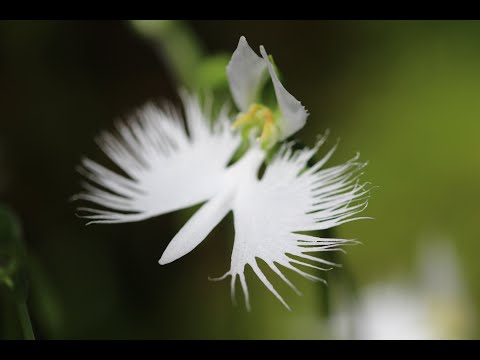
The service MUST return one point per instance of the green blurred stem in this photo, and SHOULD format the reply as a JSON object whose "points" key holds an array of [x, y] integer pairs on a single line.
{"points": [[326, 296], [177, 44], [182, 53], [25, 322]]}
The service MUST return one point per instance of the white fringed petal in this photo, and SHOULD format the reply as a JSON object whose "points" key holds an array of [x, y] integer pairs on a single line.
{"points": [[210, 214], [294, 114], [290, 198], [198, 227], [167, 169], [246, 72]]}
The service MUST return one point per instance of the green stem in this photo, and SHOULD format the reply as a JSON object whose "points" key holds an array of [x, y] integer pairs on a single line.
{"points": [[326, 291], [326, 298], [25, 321], [177, 44], [352, 293]]}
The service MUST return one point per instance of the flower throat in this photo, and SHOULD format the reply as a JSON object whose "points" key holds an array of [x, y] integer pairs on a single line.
{"points": [[258, 117]]}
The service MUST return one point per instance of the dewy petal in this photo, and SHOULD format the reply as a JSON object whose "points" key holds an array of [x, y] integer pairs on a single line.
{"points": [[294, 114], [269, 213], [246, 72], [166, 168]]}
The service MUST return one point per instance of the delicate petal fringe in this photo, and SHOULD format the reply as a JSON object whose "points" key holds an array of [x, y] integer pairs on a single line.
{"points": [[165, 168], [271, 213]]}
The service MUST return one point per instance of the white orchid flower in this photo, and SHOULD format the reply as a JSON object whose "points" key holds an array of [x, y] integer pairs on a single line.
{"points": [[169, 168]]}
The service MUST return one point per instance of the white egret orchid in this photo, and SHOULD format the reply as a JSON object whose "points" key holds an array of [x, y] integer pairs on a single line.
{"points": [[169, 167]]}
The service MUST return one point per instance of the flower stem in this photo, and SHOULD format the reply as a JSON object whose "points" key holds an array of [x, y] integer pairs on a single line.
{"points": [[25, 322], [176, 44], [326, 291]]}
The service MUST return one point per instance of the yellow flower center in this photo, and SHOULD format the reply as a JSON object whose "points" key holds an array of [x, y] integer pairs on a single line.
{"points": [[258, 117]]}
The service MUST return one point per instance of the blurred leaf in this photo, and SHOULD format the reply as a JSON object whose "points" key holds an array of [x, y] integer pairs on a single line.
{"points": [[153, 28], [14, 268], [177, 45], [45, 301], [211, 73], [13, 272]]}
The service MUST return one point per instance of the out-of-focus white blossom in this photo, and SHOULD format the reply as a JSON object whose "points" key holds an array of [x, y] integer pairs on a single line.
{"points": [[436, 306]]}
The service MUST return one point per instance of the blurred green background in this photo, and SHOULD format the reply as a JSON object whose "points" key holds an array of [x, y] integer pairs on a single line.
{"points": [[405, 94]]}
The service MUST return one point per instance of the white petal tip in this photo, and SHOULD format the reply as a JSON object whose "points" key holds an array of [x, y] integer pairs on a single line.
{"points": [[167, 258], [220, 278], [162, 261], [263, 52]]}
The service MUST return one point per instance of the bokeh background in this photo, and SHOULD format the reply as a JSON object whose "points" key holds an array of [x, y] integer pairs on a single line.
{"points": [[405, 94]]}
